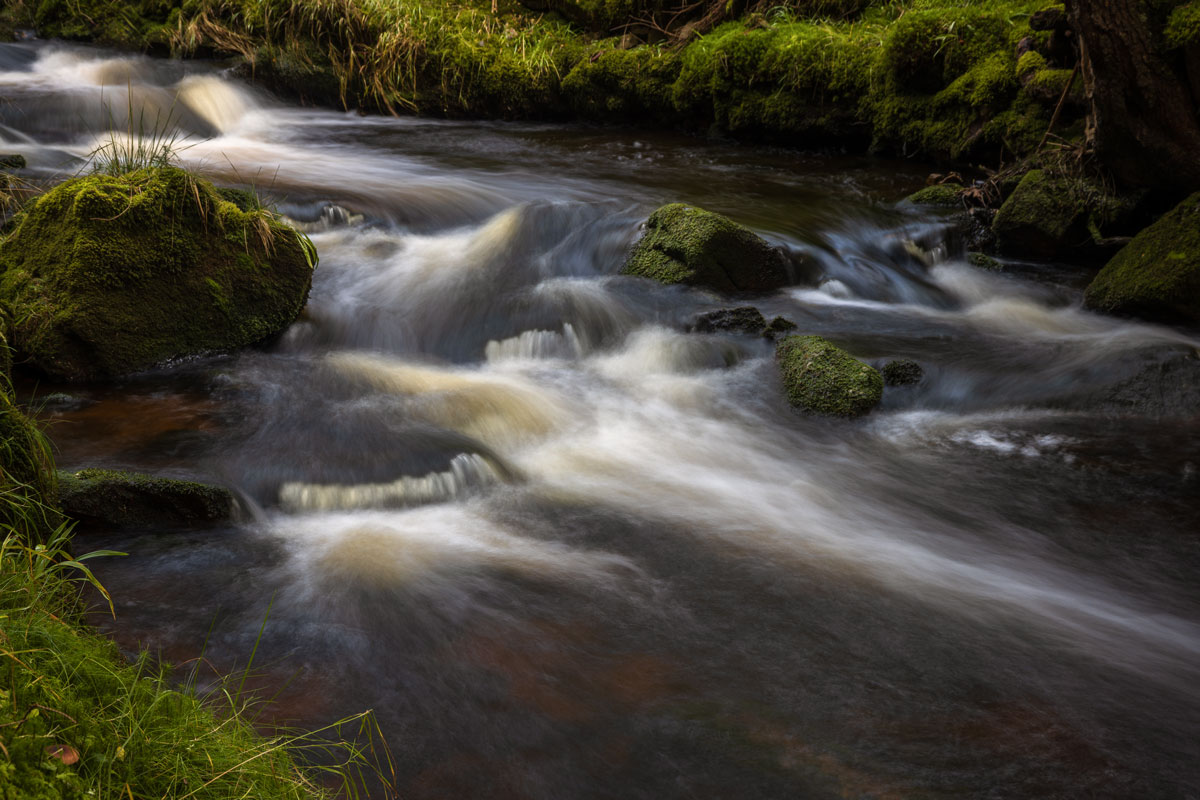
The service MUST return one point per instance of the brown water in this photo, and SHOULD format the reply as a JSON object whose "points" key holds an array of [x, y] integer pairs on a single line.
{"points": [[564, 549]]}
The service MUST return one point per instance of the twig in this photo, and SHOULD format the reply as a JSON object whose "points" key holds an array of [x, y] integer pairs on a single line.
{"points": [[1058, 108]]}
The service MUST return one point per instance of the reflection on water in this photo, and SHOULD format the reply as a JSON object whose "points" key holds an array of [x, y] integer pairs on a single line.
{"points": [[566, 549]]}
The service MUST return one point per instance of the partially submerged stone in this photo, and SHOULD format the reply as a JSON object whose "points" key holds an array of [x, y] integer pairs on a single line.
{"points": [[820, 377], [742, 319], [984, 261], [112, 498], [1050, 216], [110, 275], [688, 245], [902, 372], [1157, 275], [10, 161]]}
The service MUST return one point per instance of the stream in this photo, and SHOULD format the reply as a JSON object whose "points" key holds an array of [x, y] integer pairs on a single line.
{"points": [[565, 548]]}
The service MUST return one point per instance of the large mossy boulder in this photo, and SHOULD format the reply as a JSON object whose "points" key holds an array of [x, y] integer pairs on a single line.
{"points": [[1050, 216], [822, 378], [1157, 275], [109, 275], [110, 498], [685, 244]]}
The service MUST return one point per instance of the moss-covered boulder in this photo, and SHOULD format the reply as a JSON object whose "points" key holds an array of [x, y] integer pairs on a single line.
{"points": [[1049, 216], [1157, 275], [822, 378], [944, 195], [109, 498], [685, 244], [108, 275]]}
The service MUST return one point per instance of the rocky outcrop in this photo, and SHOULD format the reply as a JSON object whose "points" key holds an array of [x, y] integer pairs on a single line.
{"points": [[109, 275], [821, 378], [688, 245]]}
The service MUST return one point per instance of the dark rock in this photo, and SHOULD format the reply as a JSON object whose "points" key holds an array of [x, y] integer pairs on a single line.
{"points": [[111, 498], [820, 377], [778, 326], [1157, 275], [743, 319], [902, 372], [685, 244], [1164, 385], [982, 261], [1050, 216], [12, 161]]}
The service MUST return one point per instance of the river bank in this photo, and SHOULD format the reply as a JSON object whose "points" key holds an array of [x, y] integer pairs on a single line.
{"points": [[932, 79]]}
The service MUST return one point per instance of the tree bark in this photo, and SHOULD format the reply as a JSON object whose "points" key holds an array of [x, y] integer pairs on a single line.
{"points": [[1144, 118]]}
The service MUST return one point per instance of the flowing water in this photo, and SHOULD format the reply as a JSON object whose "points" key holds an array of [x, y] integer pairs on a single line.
{"points": [[566, 549]]}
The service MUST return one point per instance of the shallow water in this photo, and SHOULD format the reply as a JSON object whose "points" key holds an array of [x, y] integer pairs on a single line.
{"points": [[564, 548]]}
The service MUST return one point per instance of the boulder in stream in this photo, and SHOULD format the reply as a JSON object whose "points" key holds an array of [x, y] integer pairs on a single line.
{"points": [[822, 378], [114, 499], [902, 372], [685, 244], [109, 275], [1051, 216], [1156, 275]]}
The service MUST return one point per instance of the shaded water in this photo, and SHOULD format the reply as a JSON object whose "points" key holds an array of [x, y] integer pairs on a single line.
{"points": [[564, 548]]}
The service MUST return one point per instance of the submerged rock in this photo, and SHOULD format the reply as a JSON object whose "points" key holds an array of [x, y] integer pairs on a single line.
{"points": [[743, 319], [984, 261], [820, 377], [902, 372], [111, 275], [685, 244], [1157, 275], [129, 499]]}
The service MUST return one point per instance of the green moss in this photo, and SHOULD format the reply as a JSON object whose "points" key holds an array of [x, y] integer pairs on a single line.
{"points": [[1183, 26], [1049, 215], [942, 194], [685, 244], [1157, 275], [983, 261], [106, 274], [1029, 63], [124, 499], [821, 378]]}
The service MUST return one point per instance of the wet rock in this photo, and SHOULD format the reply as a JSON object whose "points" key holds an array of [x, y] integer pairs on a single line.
{"points": [[109, 498], [109, 275], [820, 377], [688, 245], [779, 326], [743, 319], [1157, 275], [12, 161], [1050, 216], [945, 195], [902, 372], [983, 261], [1164, 385]]}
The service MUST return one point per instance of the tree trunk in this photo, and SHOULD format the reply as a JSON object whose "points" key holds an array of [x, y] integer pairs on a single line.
{"points": [[1144, 118]]}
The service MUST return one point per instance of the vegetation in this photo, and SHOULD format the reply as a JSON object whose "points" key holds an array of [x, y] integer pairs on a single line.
{"points": [[685, 244], [930, 77], [821, 378], [1158, 273], [113, 273]]}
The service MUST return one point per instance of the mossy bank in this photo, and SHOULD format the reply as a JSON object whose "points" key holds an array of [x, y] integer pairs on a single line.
{"points": [[109, 274], [929, 77]]}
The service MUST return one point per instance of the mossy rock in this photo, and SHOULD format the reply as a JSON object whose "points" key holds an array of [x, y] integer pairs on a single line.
{"points": [[902, 372], [1157, 275], [1050, 216], [946, 195], [12, 161], [984, 261], [28, 483], [822, 378], [110, 275], [111, 498], [685, 244], [742, 319]]}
